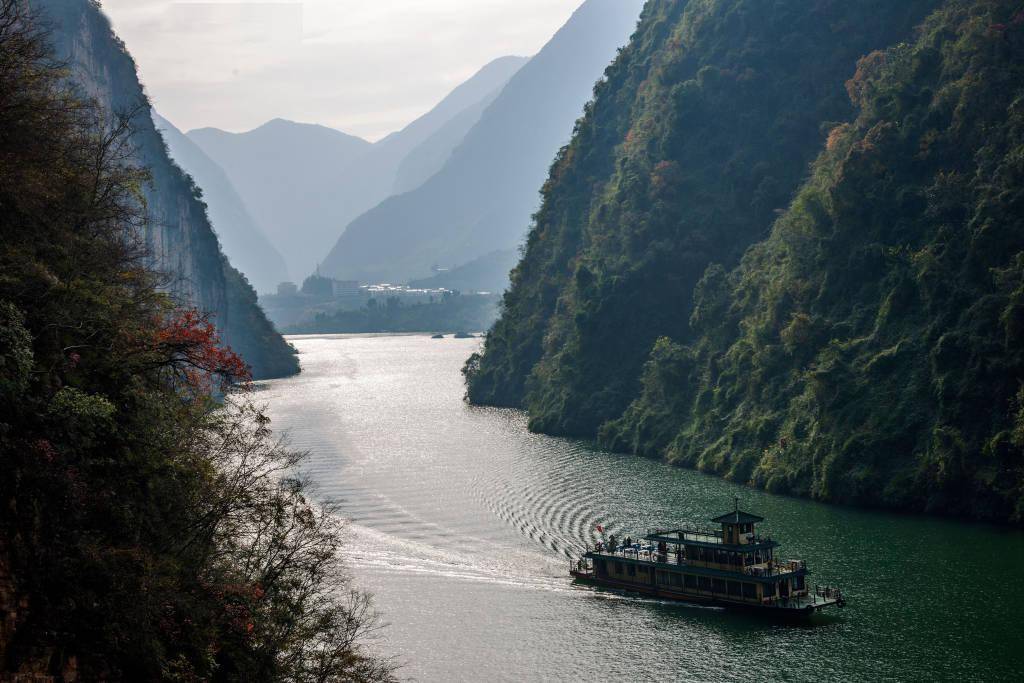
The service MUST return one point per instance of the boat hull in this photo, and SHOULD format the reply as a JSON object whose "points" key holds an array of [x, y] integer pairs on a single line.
{"points": [[788, 609]]}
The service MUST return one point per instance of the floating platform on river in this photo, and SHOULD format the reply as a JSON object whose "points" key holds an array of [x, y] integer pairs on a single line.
{"points": [[734, 568]]}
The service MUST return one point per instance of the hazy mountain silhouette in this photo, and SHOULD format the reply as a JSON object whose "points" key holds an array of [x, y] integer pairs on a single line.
{"points": [[241, 237], [290, 177], [304, 183], [424, 153], [482, 199]]}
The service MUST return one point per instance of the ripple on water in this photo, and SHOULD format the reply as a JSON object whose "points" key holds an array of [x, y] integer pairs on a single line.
{"points": [[462, 523]]}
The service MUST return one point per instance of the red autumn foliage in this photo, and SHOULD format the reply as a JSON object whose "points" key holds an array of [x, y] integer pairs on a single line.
{"points": [[44, 450], [192, 346]]}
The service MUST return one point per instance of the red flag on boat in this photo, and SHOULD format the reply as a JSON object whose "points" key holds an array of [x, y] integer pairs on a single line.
{"points": [[600, 528]]}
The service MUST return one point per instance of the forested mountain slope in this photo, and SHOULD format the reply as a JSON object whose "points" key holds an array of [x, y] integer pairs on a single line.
{"points": [[868, 350], [241, 237], [702, 130], [871, 350], [149, 532], [482, 199], [177, 233]]}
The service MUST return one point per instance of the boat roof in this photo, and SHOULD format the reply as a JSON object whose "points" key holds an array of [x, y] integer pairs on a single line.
{"points": [[737, 517]]}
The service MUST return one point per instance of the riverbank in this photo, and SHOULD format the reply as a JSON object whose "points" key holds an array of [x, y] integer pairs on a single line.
{"points": [[456, 313]]}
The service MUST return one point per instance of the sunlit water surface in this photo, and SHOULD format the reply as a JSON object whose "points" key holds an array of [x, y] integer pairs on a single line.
{"points": [[463, 523]]}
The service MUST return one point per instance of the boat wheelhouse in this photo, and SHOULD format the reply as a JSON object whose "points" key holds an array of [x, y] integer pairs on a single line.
{"points": [[731, 567]]}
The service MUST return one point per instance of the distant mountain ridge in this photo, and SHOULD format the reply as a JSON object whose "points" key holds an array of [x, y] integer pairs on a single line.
{"points": [[304, 183], [482, 199], [290, 176], [240, 235], [463, 109]]}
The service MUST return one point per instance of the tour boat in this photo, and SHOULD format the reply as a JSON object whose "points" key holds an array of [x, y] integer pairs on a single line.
{"points": [[734, 567]]}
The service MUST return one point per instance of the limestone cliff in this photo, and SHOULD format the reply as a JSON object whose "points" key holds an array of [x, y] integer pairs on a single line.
{"points": [[178, 234]]}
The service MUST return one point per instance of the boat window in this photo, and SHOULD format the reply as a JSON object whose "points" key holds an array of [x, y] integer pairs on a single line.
{"points": [[690, 581], [677, 579], [704, 582], [618, 567], [750, 590], [735, 588], [798, 583], [632, 570], [718, 586]]}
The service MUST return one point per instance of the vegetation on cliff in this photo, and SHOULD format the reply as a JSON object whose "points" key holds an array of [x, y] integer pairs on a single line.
{"points": [[180, 241], [147, 533], [702, 129], [871, 350], [864, 350]]}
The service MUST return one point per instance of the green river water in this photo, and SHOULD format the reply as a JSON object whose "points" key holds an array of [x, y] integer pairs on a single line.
{"points": [[463, 523]]}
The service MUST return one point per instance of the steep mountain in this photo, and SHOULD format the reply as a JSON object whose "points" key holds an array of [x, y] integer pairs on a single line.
{"points": [[871, 349], [241, 238], [482, 199], [137, 507], [448, 122], [304, 183], [290, 176], [702, 130], [866, 348], [422, 154], [178, 235]]}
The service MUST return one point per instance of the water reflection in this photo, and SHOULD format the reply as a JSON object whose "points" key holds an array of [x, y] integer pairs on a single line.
{"points": [[463, 523]]}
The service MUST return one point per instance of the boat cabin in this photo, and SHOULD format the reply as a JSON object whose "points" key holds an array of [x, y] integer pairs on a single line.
{"points": [[729, 565]]}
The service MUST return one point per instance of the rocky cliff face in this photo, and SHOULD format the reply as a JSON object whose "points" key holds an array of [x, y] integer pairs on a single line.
{"points": [[178, 235]]}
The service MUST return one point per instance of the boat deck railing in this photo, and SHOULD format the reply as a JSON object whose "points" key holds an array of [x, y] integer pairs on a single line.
{"points": [[649, 553], [696, 535], [690, 534]]}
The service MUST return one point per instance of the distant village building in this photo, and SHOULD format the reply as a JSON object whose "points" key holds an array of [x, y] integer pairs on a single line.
{"points": [[404, 294], [321, 295]]}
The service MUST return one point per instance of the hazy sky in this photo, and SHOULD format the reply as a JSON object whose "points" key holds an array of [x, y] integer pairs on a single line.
{"points": [[367, 67]]}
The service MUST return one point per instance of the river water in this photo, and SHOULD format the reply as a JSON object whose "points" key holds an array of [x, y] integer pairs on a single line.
{"points": [[463, 523]]}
